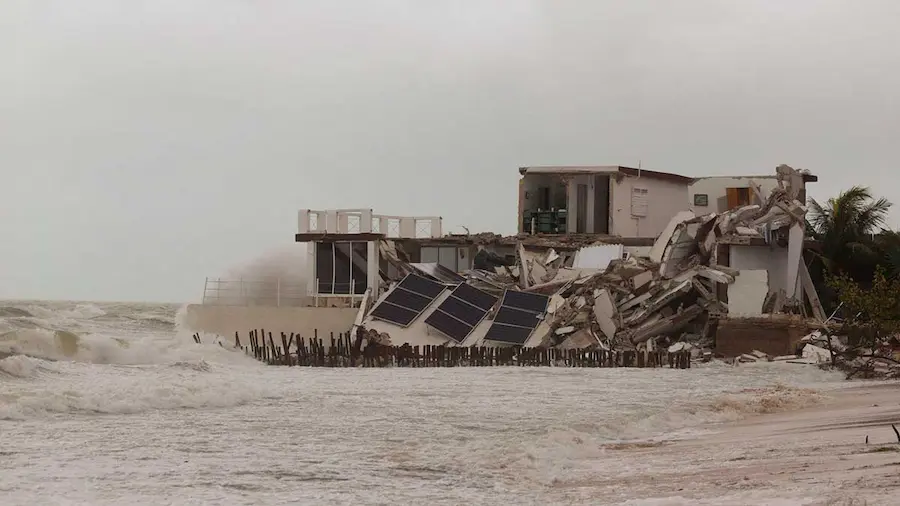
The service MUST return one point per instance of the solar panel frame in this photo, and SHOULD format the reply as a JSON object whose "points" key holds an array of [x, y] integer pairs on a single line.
{"points": [[466, 299], [478, 298], [392, 313], [422, 286], [508, 334], [533, 302], [449, 326], [395, 308], [462, 311], [410, 300], [519, 315]]}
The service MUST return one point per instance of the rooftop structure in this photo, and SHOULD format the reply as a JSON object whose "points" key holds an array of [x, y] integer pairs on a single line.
{"points": [[606, 200]]}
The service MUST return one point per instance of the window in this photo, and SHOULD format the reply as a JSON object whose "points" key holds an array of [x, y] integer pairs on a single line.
{"points": [[737, 197], [342, 267], [639, 202], [701, 199]]}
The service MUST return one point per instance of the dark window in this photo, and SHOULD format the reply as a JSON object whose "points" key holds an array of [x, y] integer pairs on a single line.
{"points": [[342, 267], [325, 267], [360, 267]]}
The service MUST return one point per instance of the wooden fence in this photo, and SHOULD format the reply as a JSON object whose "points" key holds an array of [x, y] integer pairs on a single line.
{"points": [[293, 350]]}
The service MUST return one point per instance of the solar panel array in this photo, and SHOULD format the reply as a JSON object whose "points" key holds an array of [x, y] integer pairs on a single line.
{"points": [[517, 318], [407, 300], [461, 312]]}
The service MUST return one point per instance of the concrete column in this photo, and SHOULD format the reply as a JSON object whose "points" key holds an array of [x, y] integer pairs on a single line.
{"points": [[572, 205], [365, 221], [408, 228], [303, 221], [311, 287], [795, 256], [589, 222], [331, 222], [436, 230], [372, 266]]}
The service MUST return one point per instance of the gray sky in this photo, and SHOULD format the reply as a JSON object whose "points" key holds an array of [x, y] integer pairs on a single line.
{"points": [[147, 144]]}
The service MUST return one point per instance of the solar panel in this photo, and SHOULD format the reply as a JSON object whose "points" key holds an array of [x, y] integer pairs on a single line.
{"points": [[508, 334], [459, 313], [404, 298], [394, 314], [475, 296], [517, 318], [534, 302], [422, 286], [407, 300], [462, 311], [449, 326]]}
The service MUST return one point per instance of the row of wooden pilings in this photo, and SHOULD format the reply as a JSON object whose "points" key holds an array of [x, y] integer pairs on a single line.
{"points": [[294, 350]]}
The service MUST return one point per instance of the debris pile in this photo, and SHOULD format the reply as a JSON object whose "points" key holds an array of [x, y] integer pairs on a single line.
{"points": [[675, 292], [821, 349], [671, 296]]}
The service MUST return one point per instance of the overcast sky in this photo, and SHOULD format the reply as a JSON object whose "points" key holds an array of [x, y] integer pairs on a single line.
{"points": [[145, 145]]}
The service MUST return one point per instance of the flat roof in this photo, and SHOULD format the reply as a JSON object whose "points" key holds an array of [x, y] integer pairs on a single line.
{"points": [[605, 169], [632, 172]]}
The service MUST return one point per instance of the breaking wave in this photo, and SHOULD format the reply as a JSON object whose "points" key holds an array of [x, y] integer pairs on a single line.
{"points": [[84, 358], [14, 312], [99, 349], [19, 366]]}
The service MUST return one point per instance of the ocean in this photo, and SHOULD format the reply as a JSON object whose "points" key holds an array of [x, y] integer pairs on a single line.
{"points": [[106, 403]]}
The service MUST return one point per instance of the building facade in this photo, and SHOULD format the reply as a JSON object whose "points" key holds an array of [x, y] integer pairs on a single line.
{"points": [[717, 194], [602, 200]]}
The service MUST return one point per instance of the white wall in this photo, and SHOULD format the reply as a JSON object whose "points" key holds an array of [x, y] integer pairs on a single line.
{"points": [[226, 320], [665, 199], [715, 187], [747, 294], [770, 258], [455, 258]]}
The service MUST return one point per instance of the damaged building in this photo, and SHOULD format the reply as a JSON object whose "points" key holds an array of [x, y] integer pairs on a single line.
{"points": [[701, 282], [606, 256]]}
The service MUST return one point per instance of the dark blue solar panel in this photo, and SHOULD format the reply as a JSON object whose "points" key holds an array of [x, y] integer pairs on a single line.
{"points": [[422, 286], [394, 314], [534, 302], [508, 334], [461, 312]]}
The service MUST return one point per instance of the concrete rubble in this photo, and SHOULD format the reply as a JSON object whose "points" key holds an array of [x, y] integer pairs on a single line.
{"points": [[673, 296]]}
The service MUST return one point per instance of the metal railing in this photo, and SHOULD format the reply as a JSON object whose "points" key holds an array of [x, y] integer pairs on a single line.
{"points": [[277, 292], [363, 221], [255, 292]]}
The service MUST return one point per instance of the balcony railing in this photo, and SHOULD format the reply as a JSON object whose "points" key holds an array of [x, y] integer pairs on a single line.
{"points": [[255, 292], [362, 221], [277, 292]]}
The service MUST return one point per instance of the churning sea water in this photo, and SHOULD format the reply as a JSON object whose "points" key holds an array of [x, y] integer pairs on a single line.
{"points": [[114, 404]]}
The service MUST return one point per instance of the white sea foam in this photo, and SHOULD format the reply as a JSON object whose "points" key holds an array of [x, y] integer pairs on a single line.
{"points": [[108, 397]]}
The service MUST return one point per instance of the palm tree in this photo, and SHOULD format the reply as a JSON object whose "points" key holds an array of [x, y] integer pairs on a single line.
{"points": [[846, 226], [888, 247]]}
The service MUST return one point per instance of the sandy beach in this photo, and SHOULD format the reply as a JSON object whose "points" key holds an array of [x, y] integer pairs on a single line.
{"points": [[811, 456]]}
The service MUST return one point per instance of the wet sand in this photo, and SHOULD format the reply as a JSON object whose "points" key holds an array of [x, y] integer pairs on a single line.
{"points": [[815, 456]]}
